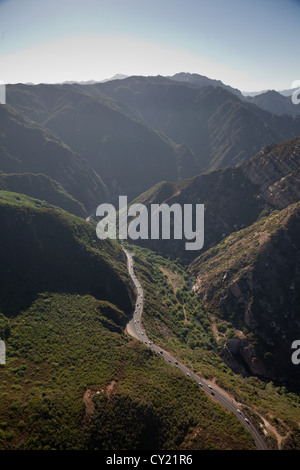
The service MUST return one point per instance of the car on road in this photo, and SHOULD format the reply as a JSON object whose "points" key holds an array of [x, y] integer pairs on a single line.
{"points": [[200, 384], [210, 387]]}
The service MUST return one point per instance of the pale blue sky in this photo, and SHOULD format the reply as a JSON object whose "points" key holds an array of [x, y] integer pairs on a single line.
{"points": [[248, 44]]}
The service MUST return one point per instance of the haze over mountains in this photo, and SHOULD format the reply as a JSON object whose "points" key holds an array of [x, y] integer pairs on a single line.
{"points": [[275, 102], [186, 139], [38, 151], [166, 129]]}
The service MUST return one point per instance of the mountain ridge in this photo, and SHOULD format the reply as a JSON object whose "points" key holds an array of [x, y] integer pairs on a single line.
{"points": [[220, 127], [213, 126], [38, 150], [243, 285], [234, 197]]}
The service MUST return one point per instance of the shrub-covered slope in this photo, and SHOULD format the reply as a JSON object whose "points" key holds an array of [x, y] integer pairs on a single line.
{"points": [[26, 147], [72, 378], [46, 249], [41, 187], [252, 279]]}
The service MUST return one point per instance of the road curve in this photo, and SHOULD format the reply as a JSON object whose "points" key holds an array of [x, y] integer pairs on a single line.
{"points": [[136, 330]]}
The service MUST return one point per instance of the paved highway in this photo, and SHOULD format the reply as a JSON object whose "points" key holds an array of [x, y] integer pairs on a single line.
{"points": [[136, 330]]}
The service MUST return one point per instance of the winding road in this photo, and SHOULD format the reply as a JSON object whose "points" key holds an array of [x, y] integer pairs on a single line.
{"points": [[135, 329]]}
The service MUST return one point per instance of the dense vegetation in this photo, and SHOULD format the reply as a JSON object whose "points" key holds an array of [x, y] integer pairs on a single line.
{"points": [[62, 254], [73, 379], [63, 346], [65, 302], [198, 338], [42, 187]]}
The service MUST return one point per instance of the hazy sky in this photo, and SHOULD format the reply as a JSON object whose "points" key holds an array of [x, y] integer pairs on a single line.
{"points": [[248, 44]]}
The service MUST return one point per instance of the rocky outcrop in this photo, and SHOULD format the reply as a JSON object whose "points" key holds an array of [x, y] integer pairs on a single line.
{"points": [[242, 358], [253, 280], [275, 171]]}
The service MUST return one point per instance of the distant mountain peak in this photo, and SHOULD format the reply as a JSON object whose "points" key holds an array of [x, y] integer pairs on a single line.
{"points": [[275, 102], [117, 76], [202, 80]]}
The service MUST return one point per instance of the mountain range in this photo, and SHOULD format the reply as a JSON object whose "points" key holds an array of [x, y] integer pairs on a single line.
{"points": [[231, 309], [275, 102], [248, 268], [26, 147], [166, 129]]}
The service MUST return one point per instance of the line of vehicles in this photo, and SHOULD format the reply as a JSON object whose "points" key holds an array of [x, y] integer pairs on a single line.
{"points": [[143, 338]]}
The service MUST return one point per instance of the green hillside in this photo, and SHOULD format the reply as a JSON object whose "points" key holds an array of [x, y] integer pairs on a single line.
{"points": [[41, 187], [73, 379], [26, 147], [195, 331], [62, 254]]}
